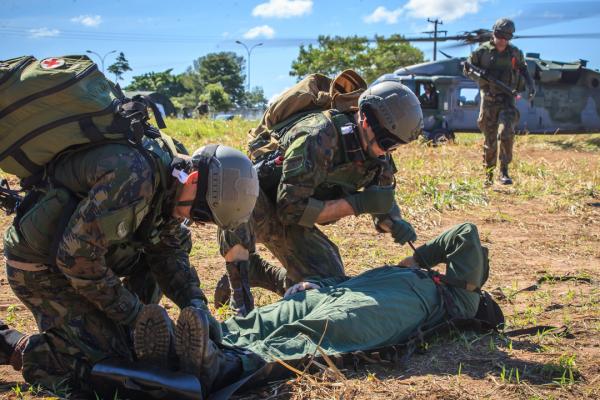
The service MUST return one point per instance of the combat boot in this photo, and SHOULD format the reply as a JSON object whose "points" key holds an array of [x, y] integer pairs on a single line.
{"points": [[200, 356], [241, 300], [504, 178], [12, 344], [154, 336], [489, 177], [222, 292]]}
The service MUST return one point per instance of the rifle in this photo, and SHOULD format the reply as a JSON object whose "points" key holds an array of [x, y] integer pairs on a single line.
{"points": [[9, 198], [482, 74]]}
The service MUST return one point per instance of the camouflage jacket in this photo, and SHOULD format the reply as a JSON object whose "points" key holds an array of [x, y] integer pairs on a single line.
{"points": [[107, 233], [508, 66], [316, 168]]}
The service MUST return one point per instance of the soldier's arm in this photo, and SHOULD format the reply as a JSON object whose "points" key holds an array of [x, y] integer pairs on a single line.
{"points": [[386, 178], [305, 167], [524, 71], [121, 189], [170, 264]]}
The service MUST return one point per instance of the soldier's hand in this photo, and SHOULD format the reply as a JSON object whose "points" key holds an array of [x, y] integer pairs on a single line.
{"points": [[372, 200], [531, 94], [214, 327], [300, 287], [402, 231]]}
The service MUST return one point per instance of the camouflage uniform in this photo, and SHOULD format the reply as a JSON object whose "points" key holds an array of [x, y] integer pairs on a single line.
{"points": [[498, 115], [120, 227], [316, 168]]}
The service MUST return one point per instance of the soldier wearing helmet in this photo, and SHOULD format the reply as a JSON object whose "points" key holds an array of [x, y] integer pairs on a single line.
{"points": [[329, 165], [498, 114], [92, 247]]}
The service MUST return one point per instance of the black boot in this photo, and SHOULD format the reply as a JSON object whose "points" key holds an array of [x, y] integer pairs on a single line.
{"points": [[153, 337], [222, 292], [200, 356], [504, 178], [489, 177], [12, 343], [241, 300]]}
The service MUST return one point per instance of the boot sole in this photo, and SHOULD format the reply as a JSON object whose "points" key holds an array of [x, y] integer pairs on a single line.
{"points": [[191, 339], [152, 335]]}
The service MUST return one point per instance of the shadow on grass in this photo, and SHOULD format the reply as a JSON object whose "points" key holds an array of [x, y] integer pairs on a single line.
{"points": [[589, 144]]}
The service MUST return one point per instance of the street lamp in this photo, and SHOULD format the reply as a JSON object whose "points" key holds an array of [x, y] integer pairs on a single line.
{"points": [[102, 58], [249, 51]]}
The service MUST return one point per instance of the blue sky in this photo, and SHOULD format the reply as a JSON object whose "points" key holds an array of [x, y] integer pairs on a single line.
{"points": [[156, 35]]}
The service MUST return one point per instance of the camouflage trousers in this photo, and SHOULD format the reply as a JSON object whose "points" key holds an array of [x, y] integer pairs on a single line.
{"points": [[74, 334], [497, 120], [303, 252]]}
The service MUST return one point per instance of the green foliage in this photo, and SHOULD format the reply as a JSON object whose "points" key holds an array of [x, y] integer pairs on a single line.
{"points": [[224, 68], [334, 54], [255, 98], [162, 82], [214, 94], [120, 66]]}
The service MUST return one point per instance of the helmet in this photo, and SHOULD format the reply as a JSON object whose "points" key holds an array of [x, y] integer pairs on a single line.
{"points": [[393, 111], [504, 28], [227, 186]]}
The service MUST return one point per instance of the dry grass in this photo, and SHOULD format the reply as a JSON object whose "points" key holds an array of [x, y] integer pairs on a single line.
{"points": [[547, 224]]}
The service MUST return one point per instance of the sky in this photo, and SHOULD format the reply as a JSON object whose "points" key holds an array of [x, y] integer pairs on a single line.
{"points": [[157, 35]]}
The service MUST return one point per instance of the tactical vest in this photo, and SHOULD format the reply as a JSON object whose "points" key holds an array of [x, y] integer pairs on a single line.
{"points": [[502, 66], [42, 217]]}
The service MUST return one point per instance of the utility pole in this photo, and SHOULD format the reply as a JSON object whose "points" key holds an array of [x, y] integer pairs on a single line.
{"points": [[249, 51], [435, 31]]}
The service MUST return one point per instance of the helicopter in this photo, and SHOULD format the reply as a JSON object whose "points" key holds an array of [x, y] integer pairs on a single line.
{"points": [[567, 99]]}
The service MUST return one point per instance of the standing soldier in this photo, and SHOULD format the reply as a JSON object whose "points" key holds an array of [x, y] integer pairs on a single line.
{"points": [[498, 115], [328, 165], [101, 238]]}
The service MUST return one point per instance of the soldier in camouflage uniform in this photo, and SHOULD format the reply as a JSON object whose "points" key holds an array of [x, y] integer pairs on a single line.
{"points": [[329, 165], [123, 245], [498, 114]]}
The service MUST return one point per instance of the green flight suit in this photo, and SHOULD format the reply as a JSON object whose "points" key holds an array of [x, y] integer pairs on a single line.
{"points": [[380, 307], [316, 168], [498, 115], [120, 227]]}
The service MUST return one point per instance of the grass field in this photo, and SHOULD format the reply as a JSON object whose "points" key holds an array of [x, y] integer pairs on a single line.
{"points": [[546, 228]]}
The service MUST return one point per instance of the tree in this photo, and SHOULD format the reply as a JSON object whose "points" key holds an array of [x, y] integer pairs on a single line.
{"points": [[255, 98], [224, 68], [162, 82], [332, 55], [214, 94], [120, 66]]}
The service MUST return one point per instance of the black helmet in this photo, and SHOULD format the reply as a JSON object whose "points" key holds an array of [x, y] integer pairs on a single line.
{"points": [[227, 186], [504, 28], [394, 113]]}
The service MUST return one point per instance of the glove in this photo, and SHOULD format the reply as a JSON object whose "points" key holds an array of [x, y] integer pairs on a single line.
{"points": [[214, 327], [402, 231], [241, 296], [372, 200], [531, 93]]}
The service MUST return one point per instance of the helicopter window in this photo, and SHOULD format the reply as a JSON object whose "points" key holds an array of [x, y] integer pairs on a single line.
{"points": [[428, 95], [468, 97], [594, 83]]}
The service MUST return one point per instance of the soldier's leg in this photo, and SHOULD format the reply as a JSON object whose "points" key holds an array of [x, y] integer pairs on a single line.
{"points": [[488, 124], [508, 118], [466, 260], [75, 336]]}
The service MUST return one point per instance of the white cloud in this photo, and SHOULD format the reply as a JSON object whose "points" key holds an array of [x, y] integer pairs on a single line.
{"points": [[264, 30], [383, 14], [447, 10], [283, 8], [43, 32], [88, 20]]}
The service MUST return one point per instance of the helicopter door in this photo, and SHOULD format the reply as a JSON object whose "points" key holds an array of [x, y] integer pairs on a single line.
{"points": [[428, 95], [467, 109]]}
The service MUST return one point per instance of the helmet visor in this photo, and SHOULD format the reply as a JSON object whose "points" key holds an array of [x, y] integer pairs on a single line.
{"points": [[503, 35]]}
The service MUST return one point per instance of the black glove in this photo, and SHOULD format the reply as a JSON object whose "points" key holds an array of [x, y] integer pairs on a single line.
{"points": [[214, 327], [372, 200], [402, 231], [241, 296]]}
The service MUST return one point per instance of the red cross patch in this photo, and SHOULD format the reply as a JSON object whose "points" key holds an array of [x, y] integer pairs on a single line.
{"points": [[52, 63]]}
